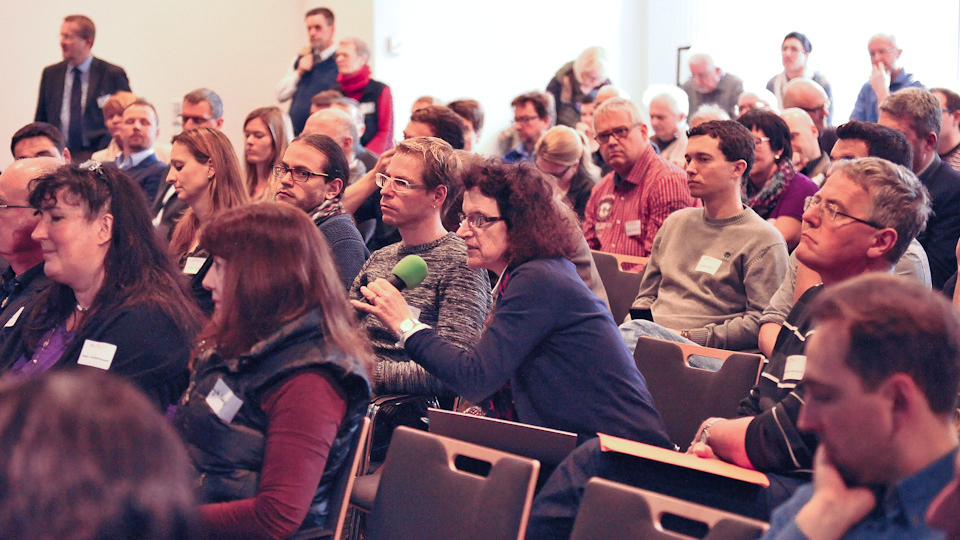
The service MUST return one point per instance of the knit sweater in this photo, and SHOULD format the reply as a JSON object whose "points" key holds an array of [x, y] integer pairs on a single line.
{"points": [[453, 299], [713, 277]]}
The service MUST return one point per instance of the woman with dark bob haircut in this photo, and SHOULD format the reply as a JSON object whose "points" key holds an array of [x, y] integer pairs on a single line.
{"points": [[117, 302], [552, 339], [85, 456], [280, 383], [774, 189]]}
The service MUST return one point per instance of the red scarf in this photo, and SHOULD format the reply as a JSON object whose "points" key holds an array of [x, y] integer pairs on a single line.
{"points": [[353, 85]]}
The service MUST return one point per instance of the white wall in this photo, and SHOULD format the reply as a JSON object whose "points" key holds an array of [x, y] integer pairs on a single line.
{"points": [[239, 48], [490, 51]]}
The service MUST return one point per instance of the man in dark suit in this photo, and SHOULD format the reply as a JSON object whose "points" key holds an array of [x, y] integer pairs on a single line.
{"points": [[72, 92], [916, 113], [138, 131]]}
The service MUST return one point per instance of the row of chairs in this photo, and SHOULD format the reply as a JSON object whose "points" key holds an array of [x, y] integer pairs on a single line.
{"points": [[434, 480]]}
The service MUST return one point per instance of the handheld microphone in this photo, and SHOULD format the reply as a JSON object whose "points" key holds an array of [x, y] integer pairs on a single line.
{"points": [[407, 274]]}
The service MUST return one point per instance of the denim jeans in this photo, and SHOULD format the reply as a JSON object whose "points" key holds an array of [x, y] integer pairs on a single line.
{"points": [[632, 330]]}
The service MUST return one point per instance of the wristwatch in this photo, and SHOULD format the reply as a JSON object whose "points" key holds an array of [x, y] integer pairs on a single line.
{"points": [[407, 325]]}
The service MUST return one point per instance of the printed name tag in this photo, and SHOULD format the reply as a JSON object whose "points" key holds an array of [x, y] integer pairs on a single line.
{"points": [[193, 265], [634, 227], [223, 402], [368, 107], [13, 320], [709, 265], [796, 364], [97, 354]]}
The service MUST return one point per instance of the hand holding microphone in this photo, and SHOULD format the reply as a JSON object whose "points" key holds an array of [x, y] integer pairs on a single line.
{"points": [[382, 297]]}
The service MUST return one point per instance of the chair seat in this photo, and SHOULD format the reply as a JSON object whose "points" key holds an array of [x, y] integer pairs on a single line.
{"points": [[365, 491]]}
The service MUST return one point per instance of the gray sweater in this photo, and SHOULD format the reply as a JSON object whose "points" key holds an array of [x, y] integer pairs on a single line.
{"points": [[453, 299], [713, 277]]}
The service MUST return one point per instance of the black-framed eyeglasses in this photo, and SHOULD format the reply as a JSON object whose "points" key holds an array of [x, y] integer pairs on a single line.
{"points": [[829, 211], [477, 221], [299, 174], [5, 206], [399, 185], [619, 133], [525, 119]]}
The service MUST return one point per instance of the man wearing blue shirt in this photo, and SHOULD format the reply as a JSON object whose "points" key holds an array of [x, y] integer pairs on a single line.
{"points": [[533, 114], [886, 78], [880, 383]]}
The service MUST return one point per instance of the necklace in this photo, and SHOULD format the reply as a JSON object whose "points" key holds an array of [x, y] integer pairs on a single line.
{"points": [[43, 346], [80, 308]]}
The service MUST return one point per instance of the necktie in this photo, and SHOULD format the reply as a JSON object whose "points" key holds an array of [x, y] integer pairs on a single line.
{"points": [[75, 133]]}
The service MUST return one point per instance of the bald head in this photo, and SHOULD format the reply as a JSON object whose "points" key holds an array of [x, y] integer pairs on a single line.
{"points": [[336, 124], [17, 224], [808, 95], [803, 136], [610, 91]]}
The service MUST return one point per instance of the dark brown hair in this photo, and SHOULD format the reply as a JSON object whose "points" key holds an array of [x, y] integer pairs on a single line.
{"points": [[278, 267], [85, 456], [538, 223]]}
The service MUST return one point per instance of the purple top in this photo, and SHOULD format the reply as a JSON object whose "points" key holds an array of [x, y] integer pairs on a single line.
{"points": [[50, 349], [792, 198]]}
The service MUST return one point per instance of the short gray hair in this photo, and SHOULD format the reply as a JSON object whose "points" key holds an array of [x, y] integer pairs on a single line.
{"points": [[917, 105], [898, 199], [620, 105], [363, 49], [201, 95]]}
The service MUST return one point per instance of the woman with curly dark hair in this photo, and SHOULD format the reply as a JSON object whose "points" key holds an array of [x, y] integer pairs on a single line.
{"points": [[553, 340], [117, 302]]}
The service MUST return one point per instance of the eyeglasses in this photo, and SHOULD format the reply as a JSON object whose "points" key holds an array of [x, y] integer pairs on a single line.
{"points": [[5, 206], [299, 174], [525, 119], [477, 221], [829, 211], [757, 141], [876, 52], [195, 119], [399, 185], [618, 133]]}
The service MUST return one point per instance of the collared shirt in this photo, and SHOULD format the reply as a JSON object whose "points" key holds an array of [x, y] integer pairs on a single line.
{"points": [[518, 154], [131, 161], [866, 109], [13, 285], [288, 84], [68, 90], [623, 215], [898, 515]]}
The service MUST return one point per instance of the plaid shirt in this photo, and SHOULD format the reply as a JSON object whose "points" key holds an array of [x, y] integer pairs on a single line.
{"points": [[652, 190]]}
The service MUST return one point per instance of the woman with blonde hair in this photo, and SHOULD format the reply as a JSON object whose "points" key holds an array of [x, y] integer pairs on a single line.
{"points": [[113, 116], [563, 153], [266, 133], [205, 172]]}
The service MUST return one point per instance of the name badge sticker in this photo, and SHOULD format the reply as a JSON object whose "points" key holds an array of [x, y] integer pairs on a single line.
{"points": [[97, 354], [193, 265], [709, 265], [368, 107], [633, 227], [13, 320], [795, 367], [102, 99], [223, 402]]}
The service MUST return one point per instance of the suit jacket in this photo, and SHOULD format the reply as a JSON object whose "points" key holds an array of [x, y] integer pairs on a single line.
{"points": [[149, 174], [105, 79], [939, 239], [172, 210]]}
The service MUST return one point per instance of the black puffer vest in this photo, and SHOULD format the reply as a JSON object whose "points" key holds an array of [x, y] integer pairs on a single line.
{"points": [[229, 455]]}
